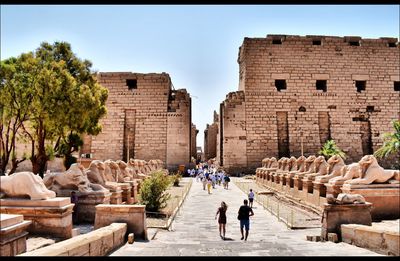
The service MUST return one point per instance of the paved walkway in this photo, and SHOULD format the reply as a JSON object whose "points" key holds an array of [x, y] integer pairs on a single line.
{"points": [[195, 232]]}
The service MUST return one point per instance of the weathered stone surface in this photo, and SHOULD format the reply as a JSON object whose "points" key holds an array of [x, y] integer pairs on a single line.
{"points": [[99, 242], [336, 215], [379, 237], [269, 122], [25, 184], [51, 216], [13, 234], [384, 197], [133, 215], [144, 116]]}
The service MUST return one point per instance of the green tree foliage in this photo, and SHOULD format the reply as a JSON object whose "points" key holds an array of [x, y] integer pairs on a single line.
{"points": [[15, 100], [152, 191], [65, 99], [391, 142], [69, 145], [330, 149]]}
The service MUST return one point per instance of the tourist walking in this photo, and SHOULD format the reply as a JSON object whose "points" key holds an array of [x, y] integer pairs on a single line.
{"points": [[227, 180], [214, 180], [244, 214], [251, 198], [209, 184], [222, 219], [204, 180]]}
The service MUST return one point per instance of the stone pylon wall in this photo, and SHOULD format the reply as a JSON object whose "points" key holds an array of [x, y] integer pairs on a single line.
{"points": [[179, 129], [210, 138], [275, 122], [149, 112], [193, 144], [233, 130]]}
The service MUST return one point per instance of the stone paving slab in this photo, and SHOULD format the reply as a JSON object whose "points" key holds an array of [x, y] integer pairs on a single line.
{"points": [[194, 232]]}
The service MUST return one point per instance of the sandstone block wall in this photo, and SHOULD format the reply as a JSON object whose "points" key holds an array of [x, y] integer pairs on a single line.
{"points": [[344, 88], [233, 123], [146, 117], [178, 129], [99, 242], [193, 141], [210, 138]]}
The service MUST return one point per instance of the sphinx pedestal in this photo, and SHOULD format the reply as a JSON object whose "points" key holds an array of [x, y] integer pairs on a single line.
{"points": [[13, 234], [48, 216], [134, 191], [333, 190], [116, 196], [335, 215], [86, 209], [318, 197], [298, 188], [385, 198], [126, 192], [133, 215]]}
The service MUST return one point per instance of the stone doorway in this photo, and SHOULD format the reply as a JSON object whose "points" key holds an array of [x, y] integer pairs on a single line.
{"points": [[283, 134], [129, 135]]}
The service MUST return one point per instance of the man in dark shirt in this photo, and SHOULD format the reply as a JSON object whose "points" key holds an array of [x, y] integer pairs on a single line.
{"points": [[243, 215]]}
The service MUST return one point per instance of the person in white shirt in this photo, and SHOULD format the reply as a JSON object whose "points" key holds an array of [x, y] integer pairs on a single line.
{"points": [[251, 198]]}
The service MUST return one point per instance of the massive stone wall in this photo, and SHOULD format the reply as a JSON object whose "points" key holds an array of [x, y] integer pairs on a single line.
{"points": [[145, 118], [233, 124], [311, 88], [193, 142], [178, 128], [210, 138]]}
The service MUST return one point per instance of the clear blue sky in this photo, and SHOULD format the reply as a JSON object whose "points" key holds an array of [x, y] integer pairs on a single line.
{"points": [[196, 44]]}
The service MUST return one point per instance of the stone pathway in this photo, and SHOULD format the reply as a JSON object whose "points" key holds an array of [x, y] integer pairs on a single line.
{"points": [[195, 232]]}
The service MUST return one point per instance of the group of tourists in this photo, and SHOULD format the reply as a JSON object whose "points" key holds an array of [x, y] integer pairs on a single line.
{"points": [[209, 176]]}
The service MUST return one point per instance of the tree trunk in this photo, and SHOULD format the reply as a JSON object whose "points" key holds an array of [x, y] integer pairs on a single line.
{"points": [[39, 163]]}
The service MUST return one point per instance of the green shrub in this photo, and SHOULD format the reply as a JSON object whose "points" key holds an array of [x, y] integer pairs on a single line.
{"points": [[330, 149], [152, 191]]}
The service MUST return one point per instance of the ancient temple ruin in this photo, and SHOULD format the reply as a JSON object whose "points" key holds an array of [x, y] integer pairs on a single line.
{"points": [[146, 119], [296, 92]]}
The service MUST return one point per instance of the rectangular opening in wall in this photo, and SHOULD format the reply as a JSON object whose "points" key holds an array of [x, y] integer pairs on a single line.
{"points": [[321, 85], [280, 85], [324, 126], [131, 83], [277, 41], [283, 134], [129, 135], [392, 44], [396, 86], [316, 42], [354, 43], [361, 85], [366, 137], [370, 108]]}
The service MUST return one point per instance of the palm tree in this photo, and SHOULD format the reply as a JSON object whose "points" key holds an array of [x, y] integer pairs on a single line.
{"points": [[330, 149], [391, 142]]}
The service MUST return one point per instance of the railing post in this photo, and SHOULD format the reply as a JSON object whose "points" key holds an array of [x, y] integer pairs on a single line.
{"points": [[292, 217]]}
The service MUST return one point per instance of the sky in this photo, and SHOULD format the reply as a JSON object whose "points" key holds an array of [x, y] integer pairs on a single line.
{"points": [[197, 45]]}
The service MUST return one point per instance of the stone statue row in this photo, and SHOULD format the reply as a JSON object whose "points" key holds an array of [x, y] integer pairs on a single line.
{"points": [[99, 177], [334, 171]]}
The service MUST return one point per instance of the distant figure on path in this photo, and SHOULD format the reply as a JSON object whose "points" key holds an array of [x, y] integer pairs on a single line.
{"points": [[74, 200], [227, 180], [204, 180], [209, 184], [222, 219], [244, 214], [251, 198]]}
